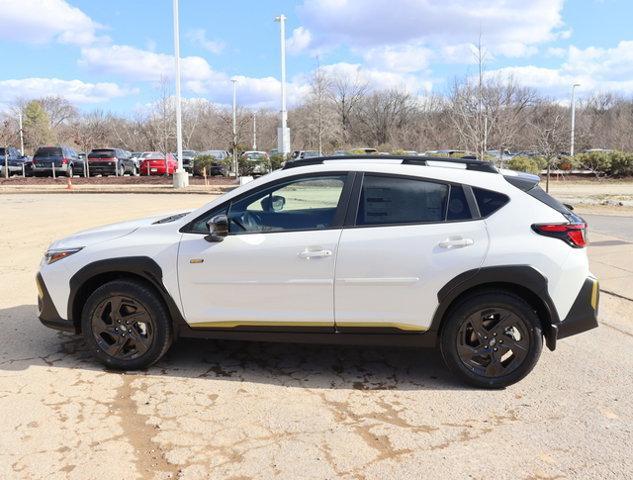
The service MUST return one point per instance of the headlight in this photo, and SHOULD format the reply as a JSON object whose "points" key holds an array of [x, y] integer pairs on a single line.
{"points": [[53, 255]]}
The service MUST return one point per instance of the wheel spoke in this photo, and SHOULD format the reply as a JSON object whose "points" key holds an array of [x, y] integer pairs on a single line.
{"points": [[115, 349], [476, 321], [506, 321], [495, 367], [141, 342]]}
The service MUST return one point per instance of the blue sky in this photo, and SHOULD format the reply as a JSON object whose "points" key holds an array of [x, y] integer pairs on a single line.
{"points": [[113, 54]]}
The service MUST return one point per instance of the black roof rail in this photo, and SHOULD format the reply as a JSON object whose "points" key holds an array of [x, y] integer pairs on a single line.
{"points": [[471, 164]]}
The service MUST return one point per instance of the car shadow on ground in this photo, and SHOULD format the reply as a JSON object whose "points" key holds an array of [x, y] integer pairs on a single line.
{"points": [[27, 343]]}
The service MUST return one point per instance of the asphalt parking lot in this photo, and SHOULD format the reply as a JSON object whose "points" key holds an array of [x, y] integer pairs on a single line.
{"points": [[232, 410]]}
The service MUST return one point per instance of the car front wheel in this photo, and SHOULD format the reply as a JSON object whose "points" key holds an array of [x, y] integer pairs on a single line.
{"points": [[126, 325], [492, 339]]}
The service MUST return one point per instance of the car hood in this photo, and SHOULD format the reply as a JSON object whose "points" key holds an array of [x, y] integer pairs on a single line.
{"points": [[86, 238]]}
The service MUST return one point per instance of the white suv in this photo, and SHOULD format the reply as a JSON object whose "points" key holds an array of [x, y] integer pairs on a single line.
{"points": [[369, 250]]}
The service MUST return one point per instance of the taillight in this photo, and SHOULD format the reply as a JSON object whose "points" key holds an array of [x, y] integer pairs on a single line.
{"points": [[574, 234], [64, 161]]}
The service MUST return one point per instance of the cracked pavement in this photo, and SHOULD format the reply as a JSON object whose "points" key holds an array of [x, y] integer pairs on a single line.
{"points": [[237, 410]]}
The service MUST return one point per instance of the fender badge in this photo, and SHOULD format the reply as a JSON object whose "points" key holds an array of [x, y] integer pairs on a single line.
{"points": [[196, 260]]}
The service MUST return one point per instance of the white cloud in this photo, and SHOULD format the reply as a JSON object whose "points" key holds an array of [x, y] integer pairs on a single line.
{"points": [[299, 41], [75, 91], [42, 21], [596, 69], [380, 79], [142, 65], [405, 58], [198, 36], [507, 26]]}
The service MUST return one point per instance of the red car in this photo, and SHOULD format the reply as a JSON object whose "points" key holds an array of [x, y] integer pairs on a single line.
{"points": [[157, 163]]}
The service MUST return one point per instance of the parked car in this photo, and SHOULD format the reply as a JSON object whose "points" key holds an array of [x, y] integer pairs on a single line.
{"points": [[136, 158], [482, 263], [219, 166], [301, 154], [261, 162], [111, 161], [16, 163], [59, 159], [158, 163], [188, 158]]}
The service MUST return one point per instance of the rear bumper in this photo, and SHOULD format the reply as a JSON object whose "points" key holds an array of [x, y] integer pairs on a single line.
{"points": [[582, 316], [95, 168], [47, 312]]}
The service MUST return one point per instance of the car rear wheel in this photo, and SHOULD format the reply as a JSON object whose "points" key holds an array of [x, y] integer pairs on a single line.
{"points": [[126, 325], [492, 340]]}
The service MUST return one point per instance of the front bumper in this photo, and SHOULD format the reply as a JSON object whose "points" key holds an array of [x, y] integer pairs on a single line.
{"points": [[47, 312], [582, 316]]}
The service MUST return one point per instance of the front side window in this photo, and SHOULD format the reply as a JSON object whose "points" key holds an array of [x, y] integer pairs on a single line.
{"points": [[301, 204], [393, 201]]}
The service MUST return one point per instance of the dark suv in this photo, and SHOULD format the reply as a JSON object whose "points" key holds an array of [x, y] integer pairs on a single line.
{"points": [[16, 163], [57, 160], [111, 161]]}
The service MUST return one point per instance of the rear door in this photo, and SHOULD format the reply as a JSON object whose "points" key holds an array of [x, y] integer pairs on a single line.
{"points": [[409, 237]]}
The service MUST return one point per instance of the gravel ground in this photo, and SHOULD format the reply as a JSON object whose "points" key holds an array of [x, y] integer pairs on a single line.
{"points": [[233, 410]]}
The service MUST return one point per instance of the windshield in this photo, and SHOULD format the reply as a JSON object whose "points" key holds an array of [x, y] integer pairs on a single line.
{"points": [[48, 152]]}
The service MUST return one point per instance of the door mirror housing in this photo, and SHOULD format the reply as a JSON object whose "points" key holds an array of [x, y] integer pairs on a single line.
{"points": [[273, 203], [218, 228]]}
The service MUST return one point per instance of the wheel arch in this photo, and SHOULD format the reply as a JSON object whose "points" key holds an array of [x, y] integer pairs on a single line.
{"points": [[522, 280], [93, 275]]}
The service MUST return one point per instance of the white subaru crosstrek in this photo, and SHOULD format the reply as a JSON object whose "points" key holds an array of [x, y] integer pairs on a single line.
{"points": [[415, 251]]}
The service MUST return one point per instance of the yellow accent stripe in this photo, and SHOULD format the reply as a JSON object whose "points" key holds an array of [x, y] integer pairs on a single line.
{"points": [[255, 323], [400, 326], [594, 295]]}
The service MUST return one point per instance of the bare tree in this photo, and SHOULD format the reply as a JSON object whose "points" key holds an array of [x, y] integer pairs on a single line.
{"points": [[549, 125], [346, 94]]}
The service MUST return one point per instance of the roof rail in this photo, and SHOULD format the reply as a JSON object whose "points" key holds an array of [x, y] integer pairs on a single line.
{"points": [[471, 164]]}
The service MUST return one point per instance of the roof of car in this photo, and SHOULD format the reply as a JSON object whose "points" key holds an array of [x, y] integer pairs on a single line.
{"points": [[469, 164]]}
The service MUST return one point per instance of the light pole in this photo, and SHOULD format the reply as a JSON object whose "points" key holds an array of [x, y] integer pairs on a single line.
{"points": [[181, 178], [573, 116], [235, 165], [283, 133]]}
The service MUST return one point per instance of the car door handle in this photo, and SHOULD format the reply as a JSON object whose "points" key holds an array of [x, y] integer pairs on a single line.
{"points": [[456, 242], [308, 254]]}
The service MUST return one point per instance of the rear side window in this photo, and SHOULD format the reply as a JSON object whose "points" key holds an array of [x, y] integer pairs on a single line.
{"points": [[393, 201], [488, 201]]}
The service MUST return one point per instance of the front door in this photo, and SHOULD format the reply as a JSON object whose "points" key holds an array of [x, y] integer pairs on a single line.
{"points": [[275, 269], [411, 237]]}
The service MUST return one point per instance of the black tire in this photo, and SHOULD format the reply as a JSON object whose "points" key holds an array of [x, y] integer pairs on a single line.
{"points": [[491, 339], [123, 344]]}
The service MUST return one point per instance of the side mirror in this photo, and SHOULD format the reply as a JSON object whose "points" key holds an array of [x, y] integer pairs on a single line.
{"points": [[274, 203], [218, 228]]}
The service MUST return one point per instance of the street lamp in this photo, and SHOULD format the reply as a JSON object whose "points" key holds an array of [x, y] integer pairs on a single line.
{"points": [[181, 178], [283, 133], [573, 116], [235, 165]]}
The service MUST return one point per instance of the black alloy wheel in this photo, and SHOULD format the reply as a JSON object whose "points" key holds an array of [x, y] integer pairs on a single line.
{"points": [[491, 339], [493, 342], [122, 327], [126, 324]]}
